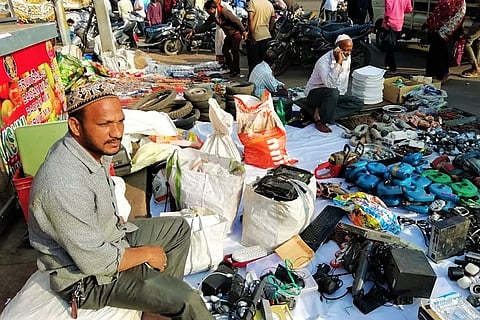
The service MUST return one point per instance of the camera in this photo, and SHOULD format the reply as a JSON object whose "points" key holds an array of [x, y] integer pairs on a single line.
{"points": [[326, 283]]}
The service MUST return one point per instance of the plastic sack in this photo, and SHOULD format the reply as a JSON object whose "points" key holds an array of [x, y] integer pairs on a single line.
{"points": [[206, 241], [220, 143], [198, 179], [368, 211], [261, 132], [268, 222]]}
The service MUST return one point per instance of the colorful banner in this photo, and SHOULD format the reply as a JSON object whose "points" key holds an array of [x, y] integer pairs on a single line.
{"points": [[30, 93]]}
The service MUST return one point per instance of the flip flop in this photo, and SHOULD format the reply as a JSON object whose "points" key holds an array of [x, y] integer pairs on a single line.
{"points": [[470, 74]]}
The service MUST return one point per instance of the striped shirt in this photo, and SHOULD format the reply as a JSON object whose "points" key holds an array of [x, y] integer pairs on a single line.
{"points": [[262, 77]]}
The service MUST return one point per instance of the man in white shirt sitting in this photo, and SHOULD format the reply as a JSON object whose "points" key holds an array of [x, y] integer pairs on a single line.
{"points": [[326, 88]]}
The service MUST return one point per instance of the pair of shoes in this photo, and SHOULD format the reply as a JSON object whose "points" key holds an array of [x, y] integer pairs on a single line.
{"points": [[472, 73]]}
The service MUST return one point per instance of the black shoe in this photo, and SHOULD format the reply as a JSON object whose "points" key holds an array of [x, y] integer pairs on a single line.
{"points": [[234, 74]]}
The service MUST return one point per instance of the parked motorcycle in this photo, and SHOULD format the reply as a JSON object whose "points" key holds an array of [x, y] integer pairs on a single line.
{"points": [[303, 43], [177, 39]]}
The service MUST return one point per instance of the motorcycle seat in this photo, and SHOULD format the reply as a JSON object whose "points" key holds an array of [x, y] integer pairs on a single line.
{"points": [[355, 31], [332, 26], [157, 28]]}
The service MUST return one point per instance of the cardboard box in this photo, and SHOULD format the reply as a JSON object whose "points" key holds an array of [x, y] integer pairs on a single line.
{"points": [[394, 93], [137, 193]]}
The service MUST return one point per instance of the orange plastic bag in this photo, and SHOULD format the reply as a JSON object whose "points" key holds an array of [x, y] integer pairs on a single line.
{"points": [[261, 132]]}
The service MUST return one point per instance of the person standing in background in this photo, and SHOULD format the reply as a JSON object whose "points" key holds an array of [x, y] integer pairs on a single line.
{"points": [[358, 9], [261, 19], [167, 7], [393, 20], [331, 10], [219, 34], [472, 48], [443, 24], [125, 7], [154, 13], [234, 32], [140, 11]]}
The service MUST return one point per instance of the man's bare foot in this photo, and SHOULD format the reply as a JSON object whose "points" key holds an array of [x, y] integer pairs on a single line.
{"points": [[322, 127]]}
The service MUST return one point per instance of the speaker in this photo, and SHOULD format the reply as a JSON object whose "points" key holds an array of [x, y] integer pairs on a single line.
{"points": [[409, 273], [448, 238]]}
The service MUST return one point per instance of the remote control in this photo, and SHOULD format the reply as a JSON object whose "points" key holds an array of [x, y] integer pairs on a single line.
{"points": [[249, 253]]}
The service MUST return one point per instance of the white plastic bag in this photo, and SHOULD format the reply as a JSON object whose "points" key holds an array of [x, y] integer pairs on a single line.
{"points": [[220, 143], [206, 240], [269, 223], [201, 180]]}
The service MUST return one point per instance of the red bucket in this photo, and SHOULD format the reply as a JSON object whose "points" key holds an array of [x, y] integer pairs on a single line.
{"points": [[23, 186]]}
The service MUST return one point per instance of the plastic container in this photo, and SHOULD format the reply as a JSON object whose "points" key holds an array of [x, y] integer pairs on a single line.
{"points": [[23, 186], [281, 111]]}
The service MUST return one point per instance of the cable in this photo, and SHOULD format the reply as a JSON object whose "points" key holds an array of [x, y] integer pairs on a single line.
{"points": [[423, 225]]}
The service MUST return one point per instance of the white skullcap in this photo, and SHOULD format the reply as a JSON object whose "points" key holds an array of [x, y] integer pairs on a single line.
{"points": [[342, 37]]}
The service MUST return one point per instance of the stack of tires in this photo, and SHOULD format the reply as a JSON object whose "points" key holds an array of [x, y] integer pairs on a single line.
{"points": [[198, 96], [233, 89], [180, 111]]}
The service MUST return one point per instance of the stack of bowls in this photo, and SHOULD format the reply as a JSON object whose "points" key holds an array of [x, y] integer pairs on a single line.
{"points": [[367, 84]]}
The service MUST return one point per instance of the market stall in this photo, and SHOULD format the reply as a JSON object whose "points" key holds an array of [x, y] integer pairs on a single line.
{"points": [[306, 148]]}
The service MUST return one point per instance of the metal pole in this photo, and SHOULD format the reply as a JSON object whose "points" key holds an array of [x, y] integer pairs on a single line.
{"points": [[104, 27], [62, 23]]}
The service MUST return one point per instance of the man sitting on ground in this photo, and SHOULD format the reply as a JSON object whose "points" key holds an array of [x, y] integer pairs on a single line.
{"points": [[326, 88], [262, 76], [94, 258]]}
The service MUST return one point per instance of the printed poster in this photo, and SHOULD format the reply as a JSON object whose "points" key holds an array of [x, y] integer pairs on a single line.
{"points": [[30, 93]]}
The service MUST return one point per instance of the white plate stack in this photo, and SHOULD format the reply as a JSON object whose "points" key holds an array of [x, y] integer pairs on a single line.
{"points": [[367, 84]]}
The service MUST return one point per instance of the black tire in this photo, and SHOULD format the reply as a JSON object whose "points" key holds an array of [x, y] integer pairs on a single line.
{"points": [[188, 121], [202, 105], [240, 88], [172, 47], [158, 101], [228, 97], [204, 117], [198, 94], [180, 108], [231, 105], [282, 63], [361, 55]]}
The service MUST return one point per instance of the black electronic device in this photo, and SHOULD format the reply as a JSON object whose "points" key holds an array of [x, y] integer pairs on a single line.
{"points": [[277, 187], [448, 238], [288, 276], [219, 281], [121, 162], [320, 229], [362, 267], [291, 172], [375, 298], [326, 283], [408, 273]]}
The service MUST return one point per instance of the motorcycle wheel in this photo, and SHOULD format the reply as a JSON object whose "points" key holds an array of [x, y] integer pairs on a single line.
{"points": [[172, 47], [361, 55], [282, 63]]}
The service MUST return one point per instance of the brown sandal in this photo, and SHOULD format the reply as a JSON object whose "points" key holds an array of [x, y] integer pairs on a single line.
{"points": [[322, 127]]}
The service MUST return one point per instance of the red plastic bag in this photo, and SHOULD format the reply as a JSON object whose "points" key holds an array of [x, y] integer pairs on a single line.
{"points": [[261, 132], [457, 53]]}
